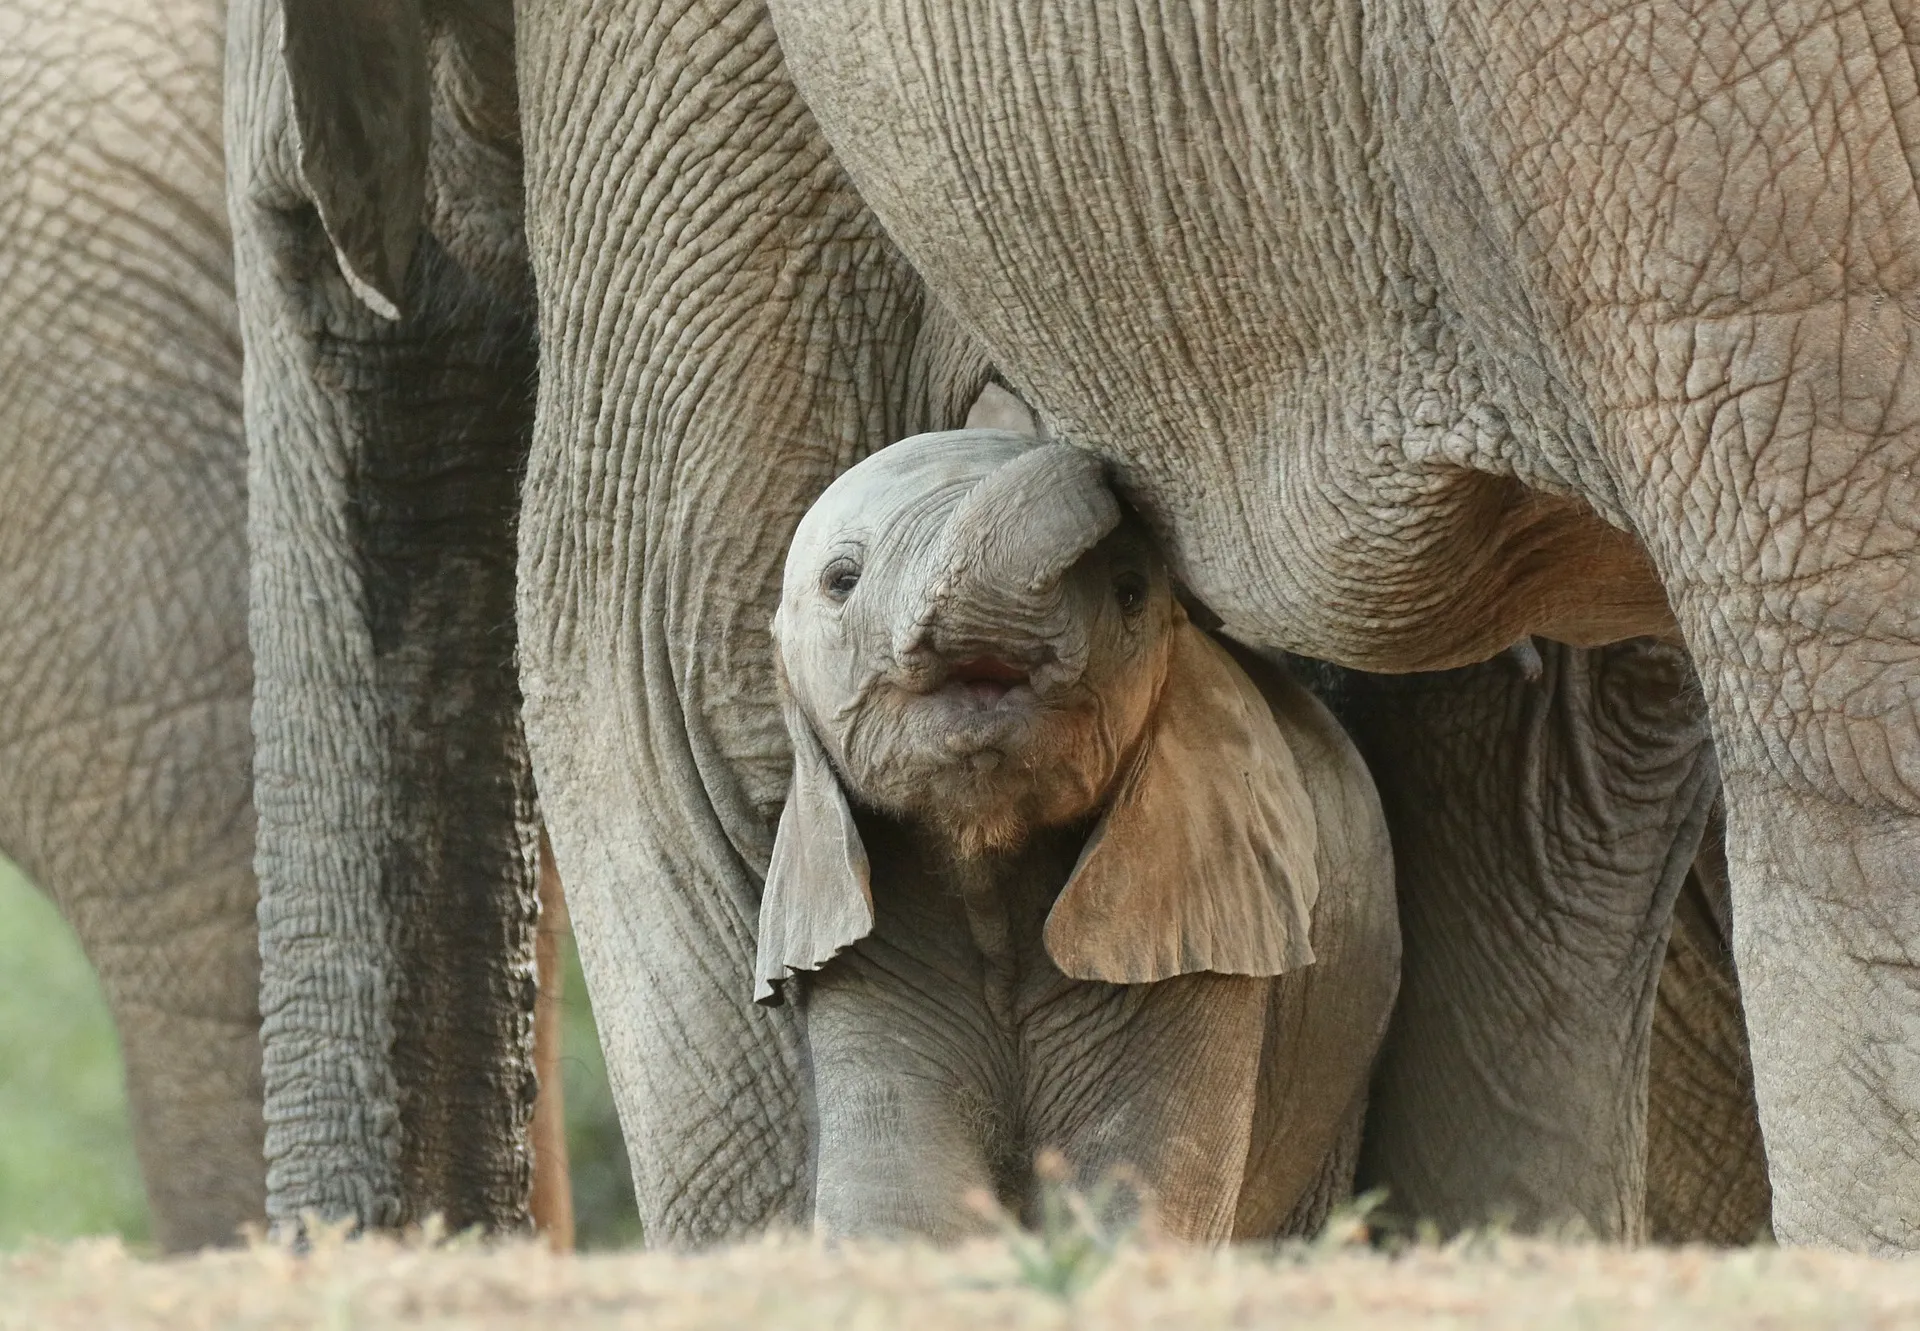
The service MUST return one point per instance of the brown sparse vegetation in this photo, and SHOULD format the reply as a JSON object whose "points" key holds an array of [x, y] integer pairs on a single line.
{"points": [[798, 1283]]}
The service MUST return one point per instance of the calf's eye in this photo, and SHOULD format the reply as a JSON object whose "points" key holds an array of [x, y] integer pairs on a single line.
{"points": [[1130, 592], [839, 580]]}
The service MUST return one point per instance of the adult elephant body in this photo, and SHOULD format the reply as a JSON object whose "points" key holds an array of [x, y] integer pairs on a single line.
{"points": [[1413, 331], [1379, 312]]}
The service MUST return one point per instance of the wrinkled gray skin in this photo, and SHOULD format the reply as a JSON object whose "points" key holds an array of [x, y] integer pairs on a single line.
{"points": [[1540, 806], [388, 399], [1414, 329], [1544, 813], [124, 673], [165, 906], [1409, 334], [1045, 845]]}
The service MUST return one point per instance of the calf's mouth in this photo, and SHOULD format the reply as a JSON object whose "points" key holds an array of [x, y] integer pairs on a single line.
{"points": [[986, 679]]}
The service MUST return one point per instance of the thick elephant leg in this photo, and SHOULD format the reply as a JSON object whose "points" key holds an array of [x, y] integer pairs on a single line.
{"points": [[1732, 311], [1801, 603], [140, 826], [192, 1056], [1541, 829], [1809, 680], [1824, 939], [1822, 775], [724, 327], [124, 673], [372, 168], [1706, 1167], [911, 1101], [1774, 464]]}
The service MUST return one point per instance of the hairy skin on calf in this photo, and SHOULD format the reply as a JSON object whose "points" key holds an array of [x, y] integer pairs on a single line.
{"points": [[1056, 859]]}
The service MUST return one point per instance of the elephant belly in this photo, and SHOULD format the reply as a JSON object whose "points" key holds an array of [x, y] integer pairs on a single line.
{"points": [[1149, 233]]}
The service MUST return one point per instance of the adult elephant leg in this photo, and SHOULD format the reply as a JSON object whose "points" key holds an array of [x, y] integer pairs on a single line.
{"points": [[1800, 600], [1706, 1168], [723, 328], [396, 838], [1541, 829], [1733, 311], [1811, 684], [124, 674]]}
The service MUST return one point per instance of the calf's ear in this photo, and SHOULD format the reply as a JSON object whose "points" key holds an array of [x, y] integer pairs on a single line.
{"points": [[818, 900], [362, 112], [1204, 861]]}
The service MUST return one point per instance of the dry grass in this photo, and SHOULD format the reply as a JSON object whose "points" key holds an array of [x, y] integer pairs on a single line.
{"points": [[795, 1283]]}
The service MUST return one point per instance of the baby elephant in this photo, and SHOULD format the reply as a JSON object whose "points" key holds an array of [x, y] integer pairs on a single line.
{"points": [[1063, 871]]}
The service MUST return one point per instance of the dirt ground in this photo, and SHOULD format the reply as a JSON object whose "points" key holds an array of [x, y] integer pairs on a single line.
{"points": [[795, 1283]]}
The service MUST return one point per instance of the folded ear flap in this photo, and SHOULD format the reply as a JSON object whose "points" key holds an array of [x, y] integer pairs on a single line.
{"points": [[1204, 861], [818, 900], [362, 111]]}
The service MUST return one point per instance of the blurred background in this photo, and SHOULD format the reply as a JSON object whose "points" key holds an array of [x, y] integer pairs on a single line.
{"points": [[66, 1155]]}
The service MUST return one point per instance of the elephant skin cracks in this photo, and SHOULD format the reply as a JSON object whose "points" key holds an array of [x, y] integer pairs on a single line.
{"points": [[646, 661], [1320, 280], [388, 401], [1543, 822], [725, 327]]}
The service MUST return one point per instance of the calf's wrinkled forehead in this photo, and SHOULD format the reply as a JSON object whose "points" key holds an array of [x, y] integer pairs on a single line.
{"points": [[865, 496]]}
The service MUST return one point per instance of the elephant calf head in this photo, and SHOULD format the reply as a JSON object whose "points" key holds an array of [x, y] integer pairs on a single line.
{"points": [[975, 637]]}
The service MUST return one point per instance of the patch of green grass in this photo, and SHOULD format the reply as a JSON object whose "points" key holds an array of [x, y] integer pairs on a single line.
{"points": [[604, 1215], [66, 1154]]}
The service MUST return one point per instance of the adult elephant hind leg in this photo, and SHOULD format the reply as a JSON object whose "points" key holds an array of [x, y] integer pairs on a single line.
{"points": [[1734, 313], [373, 179], [1541, 828], [178, 963], [1772, 467], [137, 820], [1811, 679], [1778, 497]]}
